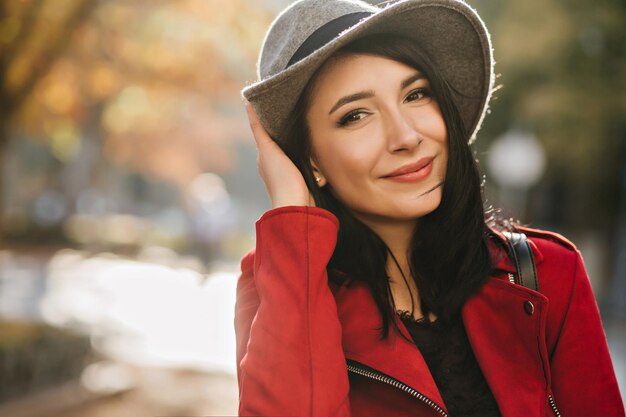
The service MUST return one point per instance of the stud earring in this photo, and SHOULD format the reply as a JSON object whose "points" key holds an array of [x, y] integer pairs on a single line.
{"points": [[317, 179]]}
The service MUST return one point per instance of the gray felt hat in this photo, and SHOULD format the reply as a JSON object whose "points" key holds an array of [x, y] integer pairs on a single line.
{"points": [[308, 32]]}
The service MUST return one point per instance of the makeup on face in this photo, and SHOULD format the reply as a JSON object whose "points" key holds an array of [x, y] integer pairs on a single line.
{"points": [[379, 137]]}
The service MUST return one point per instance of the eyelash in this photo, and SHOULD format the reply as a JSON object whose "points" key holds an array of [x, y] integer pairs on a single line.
{"points": [[423, 90], [349, 117]]}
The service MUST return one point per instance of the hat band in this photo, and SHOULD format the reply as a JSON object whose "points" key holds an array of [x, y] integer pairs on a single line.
{"points": [[326, 33]]}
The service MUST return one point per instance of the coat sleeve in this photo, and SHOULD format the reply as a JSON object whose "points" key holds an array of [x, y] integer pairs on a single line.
{"points": [[290, 360], [583, 379]]}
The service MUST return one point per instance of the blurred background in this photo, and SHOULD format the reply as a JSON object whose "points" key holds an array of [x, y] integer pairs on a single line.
{"points": [[129, 186]]}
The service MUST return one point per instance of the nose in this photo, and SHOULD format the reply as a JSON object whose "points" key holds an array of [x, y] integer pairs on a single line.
{"points": [[402, 133]]}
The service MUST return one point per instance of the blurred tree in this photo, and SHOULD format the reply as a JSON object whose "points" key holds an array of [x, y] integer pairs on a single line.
{"points": [[33, 35], [151, 85], [562, 66]]}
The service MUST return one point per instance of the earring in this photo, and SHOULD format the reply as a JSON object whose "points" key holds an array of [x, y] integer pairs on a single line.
{"points": [[317, 179]]}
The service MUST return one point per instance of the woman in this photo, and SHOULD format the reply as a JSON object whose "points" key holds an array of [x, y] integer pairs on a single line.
{"points": [[378, 285]]}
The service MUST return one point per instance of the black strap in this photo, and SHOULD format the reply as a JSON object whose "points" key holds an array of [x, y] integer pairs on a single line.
{"points": [[325, 34], [522, 255]]}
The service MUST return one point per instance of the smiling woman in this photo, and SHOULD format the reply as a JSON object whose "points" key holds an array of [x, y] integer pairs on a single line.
{"points": [[381, 158], [379, 284]]}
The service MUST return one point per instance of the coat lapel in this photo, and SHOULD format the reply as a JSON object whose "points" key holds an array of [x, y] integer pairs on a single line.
{"points": [[505, 324], [394, 356]]}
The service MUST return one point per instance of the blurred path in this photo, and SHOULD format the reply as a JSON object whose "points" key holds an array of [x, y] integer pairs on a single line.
{"points": [[154, 392], [166, 393], [166, 325]]}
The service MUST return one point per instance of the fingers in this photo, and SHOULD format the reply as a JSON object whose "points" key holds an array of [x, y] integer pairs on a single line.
{"points": [[261, 137]]}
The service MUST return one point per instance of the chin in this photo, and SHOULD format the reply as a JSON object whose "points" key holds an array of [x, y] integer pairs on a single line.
{"points": [[404, 211], [423, 205], [421, 212]]}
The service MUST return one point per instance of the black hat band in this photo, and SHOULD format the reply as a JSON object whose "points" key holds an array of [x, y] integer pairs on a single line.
{"points": [[326, 33]]}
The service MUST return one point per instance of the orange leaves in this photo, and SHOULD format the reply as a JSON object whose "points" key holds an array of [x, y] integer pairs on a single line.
{"points": [[152, 79]]}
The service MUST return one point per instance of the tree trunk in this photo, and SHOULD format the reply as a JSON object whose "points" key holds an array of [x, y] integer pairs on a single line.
{"points": [[12, 99], [4, 143]]}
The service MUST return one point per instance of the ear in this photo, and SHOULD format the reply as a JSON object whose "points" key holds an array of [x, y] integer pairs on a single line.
{"points": [[319, 177]]}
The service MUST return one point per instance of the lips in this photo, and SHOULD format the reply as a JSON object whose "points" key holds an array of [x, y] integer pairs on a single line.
{"points": [[411, 172]]}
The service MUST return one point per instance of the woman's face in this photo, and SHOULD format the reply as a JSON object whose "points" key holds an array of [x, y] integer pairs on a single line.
{"points": [[378, 138]]}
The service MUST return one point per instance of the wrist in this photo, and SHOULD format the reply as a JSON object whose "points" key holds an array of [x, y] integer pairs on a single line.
{"points": [[304, 201]]}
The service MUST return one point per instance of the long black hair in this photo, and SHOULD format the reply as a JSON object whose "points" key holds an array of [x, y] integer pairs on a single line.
{"points": [[449, 258]]}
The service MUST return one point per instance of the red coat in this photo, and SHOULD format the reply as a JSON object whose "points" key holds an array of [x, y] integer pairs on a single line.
{"points": [[308, 348]]}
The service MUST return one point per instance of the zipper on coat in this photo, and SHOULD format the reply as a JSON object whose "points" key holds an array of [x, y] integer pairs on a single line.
{"points": [[553, 406], [511, 278], [360, 369]]}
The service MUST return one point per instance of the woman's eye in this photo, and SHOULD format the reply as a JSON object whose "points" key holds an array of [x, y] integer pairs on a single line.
{"points": [[352, 117], [419, 94]]}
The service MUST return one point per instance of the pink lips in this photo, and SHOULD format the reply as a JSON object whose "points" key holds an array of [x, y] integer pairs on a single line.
{"points": [[412, 172]]}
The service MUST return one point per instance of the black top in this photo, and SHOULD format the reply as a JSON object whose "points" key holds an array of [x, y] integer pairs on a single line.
{"points": [[449, 356]]}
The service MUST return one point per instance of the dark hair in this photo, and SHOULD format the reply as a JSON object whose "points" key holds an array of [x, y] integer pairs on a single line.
{"points": [[449, 258]]}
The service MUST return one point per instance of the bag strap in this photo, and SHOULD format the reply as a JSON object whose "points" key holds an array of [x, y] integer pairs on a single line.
{"points": [[522, 256]]}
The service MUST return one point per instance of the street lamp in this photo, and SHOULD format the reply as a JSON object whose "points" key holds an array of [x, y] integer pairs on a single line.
{"points": [[516, 161]]}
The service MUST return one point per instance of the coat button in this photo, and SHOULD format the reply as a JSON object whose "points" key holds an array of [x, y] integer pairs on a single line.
{"points": [[529, 307]]}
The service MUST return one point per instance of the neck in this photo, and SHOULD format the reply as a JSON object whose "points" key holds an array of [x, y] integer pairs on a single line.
{"points": [[397, 236]]}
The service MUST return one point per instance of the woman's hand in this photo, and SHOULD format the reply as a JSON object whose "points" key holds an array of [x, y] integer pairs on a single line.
{"points": [[283, 181]]}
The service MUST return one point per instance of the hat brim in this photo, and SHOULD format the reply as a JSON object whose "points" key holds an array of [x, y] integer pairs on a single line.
{"points": [[450, 32]]}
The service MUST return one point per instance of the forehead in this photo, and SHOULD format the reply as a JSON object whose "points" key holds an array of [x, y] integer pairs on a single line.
{"points": [[349, 71]]}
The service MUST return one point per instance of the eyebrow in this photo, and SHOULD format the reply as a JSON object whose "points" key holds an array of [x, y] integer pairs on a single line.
{"points": [[410, 80], [350, 98], [369, 93]]}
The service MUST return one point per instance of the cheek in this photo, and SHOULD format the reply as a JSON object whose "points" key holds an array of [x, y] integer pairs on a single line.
{"points": [[348, 170], [350, 156], [433, 125], [343, 167]]}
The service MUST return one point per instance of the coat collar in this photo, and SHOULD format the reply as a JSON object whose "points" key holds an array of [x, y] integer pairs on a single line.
{"points": [[500, 257]]}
